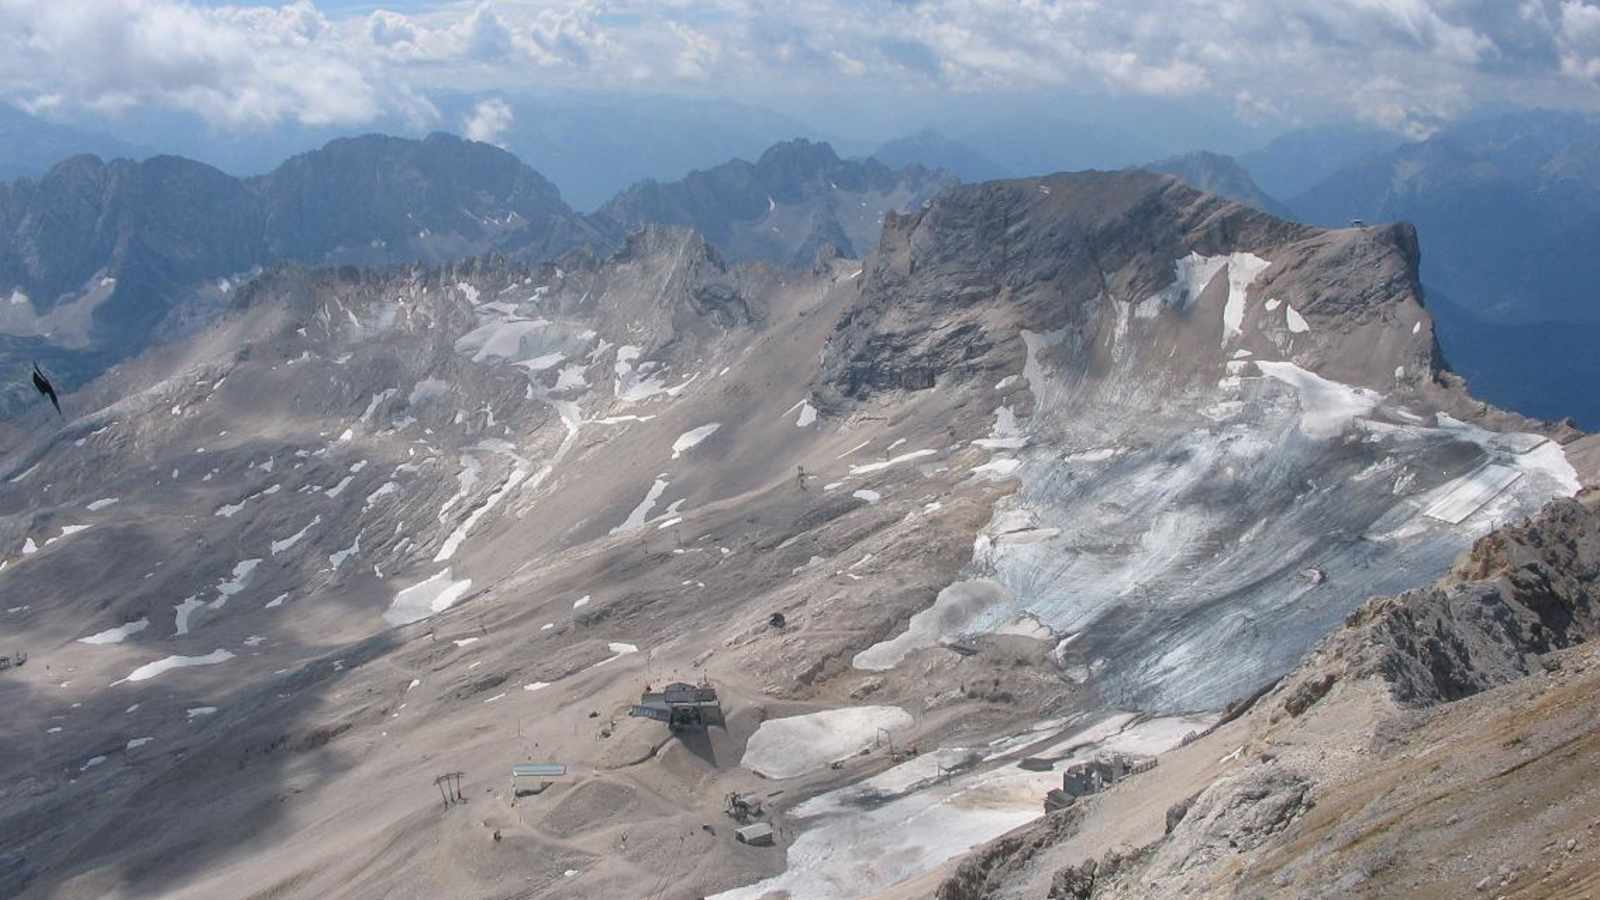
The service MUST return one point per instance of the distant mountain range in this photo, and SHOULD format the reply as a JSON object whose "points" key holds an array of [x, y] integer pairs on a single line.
{"points": [[1508, 210], [596, 146], [783, 208], [169, 221], [1292, 163], [1503, 205], [934, 150], [30, 145], [97, 258]]}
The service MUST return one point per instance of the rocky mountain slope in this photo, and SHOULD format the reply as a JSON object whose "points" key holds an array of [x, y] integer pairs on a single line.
{"points": [[783, 208], [1436, 745], [1065, 465], [96, 256]]}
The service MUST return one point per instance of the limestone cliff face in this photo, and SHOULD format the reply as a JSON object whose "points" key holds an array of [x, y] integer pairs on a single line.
{"points": [[1102, 256]]}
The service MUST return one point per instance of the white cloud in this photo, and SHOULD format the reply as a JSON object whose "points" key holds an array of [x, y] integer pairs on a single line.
{"points": [[1579, 40], [487, 121], [1405, 63]]}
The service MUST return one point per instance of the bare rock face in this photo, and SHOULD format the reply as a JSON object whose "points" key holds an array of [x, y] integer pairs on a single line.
{"points": [[1520, 592], [1307, 693], [1177, 811], [1062, 252], [1233, 817], [1000, 862]]}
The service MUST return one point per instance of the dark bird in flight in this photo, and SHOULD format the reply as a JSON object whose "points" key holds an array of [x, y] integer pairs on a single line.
{"points": [[43, 386]]}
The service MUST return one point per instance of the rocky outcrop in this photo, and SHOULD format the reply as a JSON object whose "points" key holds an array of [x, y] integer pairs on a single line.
{"points": [[1053, 253], [1522, 591], [1003, 861], [1078, 882], [1230, 819]]}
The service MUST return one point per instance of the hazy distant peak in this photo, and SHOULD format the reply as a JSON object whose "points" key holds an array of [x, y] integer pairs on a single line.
{"points": [[798, 196], [936, 150], [1222, 175]]}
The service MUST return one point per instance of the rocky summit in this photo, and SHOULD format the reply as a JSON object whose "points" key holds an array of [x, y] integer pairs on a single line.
{"points": [[1028, 556]]}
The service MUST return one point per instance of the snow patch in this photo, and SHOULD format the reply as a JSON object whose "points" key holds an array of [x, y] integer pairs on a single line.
{"points": [[66, 532], [691, 439], [1243, 269], [384, 490], [795, 745], [998, 468], [1297, 323], [280, 546], [869, 468], [421, 600], [467, 478], [116, 635], [241, 577], [454, 541], [957, 607], [618, 651], [337, 558], [636, 518], [167, 664], [1326, 407], [808, 413], [185, 608]]}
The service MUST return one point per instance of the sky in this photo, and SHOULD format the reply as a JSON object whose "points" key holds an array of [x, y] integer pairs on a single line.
{"points": [[244, 84]]}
